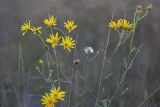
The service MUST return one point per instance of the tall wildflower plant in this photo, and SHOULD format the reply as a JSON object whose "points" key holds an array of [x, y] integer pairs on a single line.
{"points": [[64, 38], [61, 38]]}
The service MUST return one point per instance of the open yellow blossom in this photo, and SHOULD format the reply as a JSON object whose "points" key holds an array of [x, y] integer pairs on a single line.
{"points": [[51, 21], [26, 27], [68, 43], [113, 25], [54, 39], [57, 94], [48, 100], [127, 25], [37, 30], [70, 25]]}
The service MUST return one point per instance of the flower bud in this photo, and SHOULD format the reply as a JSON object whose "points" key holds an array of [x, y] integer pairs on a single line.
{"points": [[139, 10], [41, 61], [149, 7], [100, 51], [46, 47], [76, 61]]}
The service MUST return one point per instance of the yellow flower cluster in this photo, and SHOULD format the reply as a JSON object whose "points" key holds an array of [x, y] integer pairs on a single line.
{"points": [[121, 24], [67, 41], [52, 22], [27, 27], [49, 99]]}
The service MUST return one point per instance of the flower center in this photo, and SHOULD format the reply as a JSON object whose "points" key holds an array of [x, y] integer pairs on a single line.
{"points": [[70, 27], [49, 101], [66, 45], [37, 31], [55, 95], [54, 41]]}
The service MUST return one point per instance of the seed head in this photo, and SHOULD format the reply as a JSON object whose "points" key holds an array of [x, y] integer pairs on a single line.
{"points": [[89, 50]]}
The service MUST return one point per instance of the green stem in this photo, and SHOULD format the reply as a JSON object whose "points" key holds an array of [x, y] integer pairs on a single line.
{"points": [[124, 76], [55, 28], [143, 16], [56, 59], [136, 20], [120, 41], [57, 65], [149, 97], [47, 54], [132, 39]]}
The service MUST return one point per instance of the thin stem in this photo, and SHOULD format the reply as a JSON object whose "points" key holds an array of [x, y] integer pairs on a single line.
{"points": [[149, 97], [143, 16], [83, 75], [103, 62], [135, 25], [82, 90], [46, 52], [93, 57], [56, 58], [136, 20], [55, 28], [41, 73], [124, 75], [73, 85], [23, 73], [127, 37], [70, 89], [15, 91], [84, 67], [117, 46]]}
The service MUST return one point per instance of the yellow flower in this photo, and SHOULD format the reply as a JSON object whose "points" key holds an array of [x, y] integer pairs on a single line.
{"points": [[48, 100], [51, 21], [41, 61], [57, 94], [127, 25], [54, 39], [37, 30], [119, 23], [26, 27], [70, 25], [68, 43], [113, 25]]}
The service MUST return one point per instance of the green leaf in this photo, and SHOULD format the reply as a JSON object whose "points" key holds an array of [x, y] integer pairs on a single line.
{"points": [[108, 76], [125, 61]]}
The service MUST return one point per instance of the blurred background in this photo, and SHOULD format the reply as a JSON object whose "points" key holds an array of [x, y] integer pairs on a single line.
{"points": [[21, 85]]}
